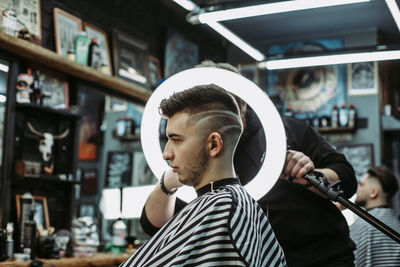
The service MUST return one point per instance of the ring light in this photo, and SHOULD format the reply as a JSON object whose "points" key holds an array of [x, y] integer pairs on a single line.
{"points": [[248, 91]]}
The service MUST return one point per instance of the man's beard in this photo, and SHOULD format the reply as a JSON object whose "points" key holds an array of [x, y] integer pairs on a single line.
{"points": [[197, 168], [361, 203]]}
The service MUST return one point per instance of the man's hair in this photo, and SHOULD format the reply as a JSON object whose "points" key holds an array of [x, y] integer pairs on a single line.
{"points": [[210, 103], [386, 178], [225, 66]]}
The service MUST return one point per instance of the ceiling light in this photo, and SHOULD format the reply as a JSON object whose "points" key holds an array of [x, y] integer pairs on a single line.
{"points": [[186, 4], [394, 9], [234, 39], [329, 59], [267, 9]]}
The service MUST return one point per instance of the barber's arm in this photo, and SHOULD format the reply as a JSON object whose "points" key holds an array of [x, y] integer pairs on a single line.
{"points": [[298, 164], [310, 151]]}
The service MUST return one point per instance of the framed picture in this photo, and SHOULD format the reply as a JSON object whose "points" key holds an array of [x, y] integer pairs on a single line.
{"points": [[41, 216], [362, 78], [66, 28], [119, 168], [114, 104], [360, 156], [28, 16], [130, 56], [91, 106], [102, 40], [180, 53], [55, 90], [250, 71], [89, 181], [142, 174], [154, 71]]}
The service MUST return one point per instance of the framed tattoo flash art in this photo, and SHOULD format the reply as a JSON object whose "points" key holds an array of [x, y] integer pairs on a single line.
{"points": [[154, 71], [361, 156], [28, 16], [66, 28], [41, 216], [55, 88], [130, 57], [102, 40], [362, 78]]}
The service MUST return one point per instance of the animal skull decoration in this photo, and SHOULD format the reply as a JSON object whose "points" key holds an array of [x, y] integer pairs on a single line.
{"points": [[46, 141]]}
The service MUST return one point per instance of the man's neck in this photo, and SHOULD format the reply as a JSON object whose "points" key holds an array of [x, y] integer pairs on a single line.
{"points": [[376, 204], [210, 177]]}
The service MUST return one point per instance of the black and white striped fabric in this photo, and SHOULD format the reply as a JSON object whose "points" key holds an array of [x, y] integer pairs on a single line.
{"points": [[221, 228], [374, 248]]}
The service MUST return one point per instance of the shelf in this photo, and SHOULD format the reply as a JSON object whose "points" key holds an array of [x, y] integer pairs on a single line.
{"points": [[128, 138], [49, 58], [390, 123], [60, 112], [335, 129], [44, 178]]}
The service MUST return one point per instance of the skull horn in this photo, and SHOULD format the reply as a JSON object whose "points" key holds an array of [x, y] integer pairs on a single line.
{"points": [[61, 136], [33, 130]]}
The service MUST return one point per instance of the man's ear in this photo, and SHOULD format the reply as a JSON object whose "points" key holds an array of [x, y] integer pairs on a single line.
{"points": [[374, 193], [215, 144]]}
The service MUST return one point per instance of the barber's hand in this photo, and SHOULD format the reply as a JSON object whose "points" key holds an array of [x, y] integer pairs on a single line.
{"points": [[296, 166], [171, 181]]}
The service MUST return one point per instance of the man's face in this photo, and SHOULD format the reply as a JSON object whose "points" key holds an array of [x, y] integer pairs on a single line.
{"points": [[185, 150], [363, 190]]}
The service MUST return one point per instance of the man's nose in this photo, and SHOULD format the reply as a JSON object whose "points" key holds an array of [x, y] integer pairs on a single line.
{"points": [[167, 155]]}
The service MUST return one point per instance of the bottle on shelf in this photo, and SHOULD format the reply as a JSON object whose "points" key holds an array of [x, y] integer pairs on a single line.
{"points": [[82, 48], [316, 121], [26, 207], [36, 93], [343, 116], [30, 235], [119, 230], [95, 59], [352, 116], [288, 112], [10, 240], [334, 116]]}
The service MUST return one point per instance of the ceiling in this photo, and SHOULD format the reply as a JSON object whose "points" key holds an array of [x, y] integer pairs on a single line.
{"points": [[373, 16]]}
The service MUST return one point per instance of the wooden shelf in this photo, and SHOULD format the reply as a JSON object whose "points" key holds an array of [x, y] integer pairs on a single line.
{"points": [[44, 178], [58, 112], [333, 130], [390, 123], [49, 58], [127, 138]]}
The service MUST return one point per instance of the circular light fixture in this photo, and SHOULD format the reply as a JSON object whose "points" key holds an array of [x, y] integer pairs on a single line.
{"points": [[248, 91]]}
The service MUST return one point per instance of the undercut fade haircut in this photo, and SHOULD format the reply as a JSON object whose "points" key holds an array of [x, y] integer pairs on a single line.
{"points": [[387, 179], [211, 104]]}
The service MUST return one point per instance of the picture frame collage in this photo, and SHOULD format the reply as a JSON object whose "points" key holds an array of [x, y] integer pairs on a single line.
{"points": [[129, 58]]}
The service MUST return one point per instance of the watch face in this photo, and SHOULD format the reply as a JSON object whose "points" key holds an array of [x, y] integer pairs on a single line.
{"points": [[121, 128]]}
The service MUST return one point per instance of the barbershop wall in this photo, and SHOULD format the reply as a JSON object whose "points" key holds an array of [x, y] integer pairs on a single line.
{"points": [[368, 107]]}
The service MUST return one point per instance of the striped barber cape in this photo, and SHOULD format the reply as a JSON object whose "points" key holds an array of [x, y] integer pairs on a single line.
{"points": [[374, 248], [225, 227]]}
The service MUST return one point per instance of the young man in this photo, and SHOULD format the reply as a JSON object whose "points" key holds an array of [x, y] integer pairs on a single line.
{"points": [[375, 191], [223, 226]]}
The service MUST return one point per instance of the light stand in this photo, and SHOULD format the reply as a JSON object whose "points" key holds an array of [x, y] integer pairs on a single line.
{"points": [[334, 193]]}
